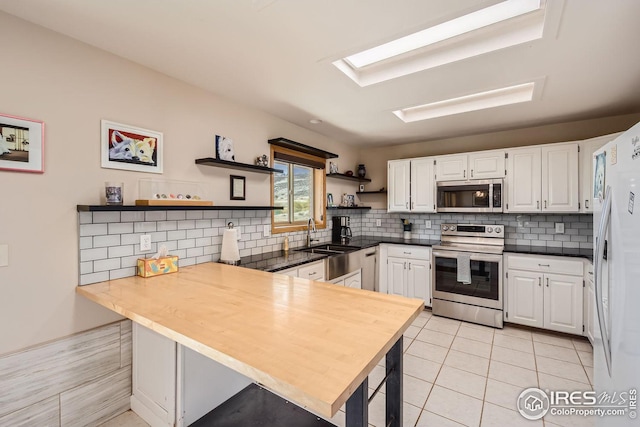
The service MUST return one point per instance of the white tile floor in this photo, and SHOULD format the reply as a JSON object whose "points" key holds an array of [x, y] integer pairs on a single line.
{"points": [[458, 373]]}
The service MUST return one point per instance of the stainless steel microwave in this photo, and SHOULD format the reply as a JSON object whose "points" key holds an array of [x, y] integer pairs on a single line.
{"points": [[470, 196]]}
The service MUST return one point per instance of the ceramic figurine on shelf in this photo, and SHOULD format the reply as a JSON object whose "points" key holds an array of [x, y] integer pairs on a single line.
{"points": [[333, 167], [262, 161], [362, 171]]}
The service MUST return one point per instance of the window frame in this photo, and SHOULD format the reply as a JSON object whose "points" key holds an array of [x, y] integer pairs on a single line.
{"points": [[319, 192]]}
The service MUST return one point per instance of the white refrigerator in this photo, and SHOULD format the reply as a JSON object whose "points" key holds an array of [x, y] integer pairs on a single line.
{"points": [[616, 230]]}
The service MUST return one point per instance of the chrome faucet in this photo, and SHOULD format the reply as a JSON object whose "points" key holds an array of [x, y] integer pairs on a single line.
{"points": [[311, 226]]}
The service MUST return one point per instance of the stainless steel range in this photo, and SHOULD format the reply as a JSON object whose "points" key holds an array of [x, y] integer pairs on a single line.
{"points": [[467, 273]]}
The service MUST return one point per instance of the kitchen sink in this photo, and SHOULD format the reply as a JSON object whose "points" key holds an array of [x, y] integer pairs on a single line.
{"points": [[329, 249]]}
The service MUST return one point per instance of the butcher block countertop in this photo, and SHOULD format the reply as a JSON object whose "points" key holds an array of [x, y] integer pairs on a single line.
{"points": [[311, 342]]}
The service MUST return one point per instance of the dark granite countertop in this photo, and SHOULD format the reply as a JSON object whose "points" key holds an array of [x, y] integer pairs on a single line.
{"points": [[545, 250], [279, 260]]}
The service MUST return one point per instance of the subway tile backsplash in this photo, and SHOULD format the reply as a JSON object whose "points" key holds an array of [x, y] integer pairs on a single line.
{"points": [[109, 241]]}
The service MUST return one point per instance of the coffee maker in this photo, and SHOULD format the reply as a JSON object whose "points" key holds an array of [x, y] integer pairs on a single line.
{"points": [[341, 231]]}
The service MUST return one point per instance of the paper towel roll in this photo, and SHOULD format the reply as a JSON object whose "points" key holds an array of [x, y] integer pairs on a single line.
{"points": [[230, 253]]}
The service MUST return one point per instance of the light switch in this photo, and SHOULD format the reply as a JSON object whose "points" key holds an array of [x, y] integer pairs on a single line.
{"points": [[267, 231], [559, 227], [427, 224], [4, 255], [378, 223]]}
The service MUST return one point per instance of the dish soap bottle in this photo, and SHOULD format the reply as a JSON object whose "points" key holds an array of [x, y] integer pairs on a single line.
{"points": [[285, 244]]}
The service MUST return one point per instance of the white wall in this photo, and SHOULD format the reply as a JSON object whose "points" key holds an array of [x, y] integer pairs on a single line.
{"points": [[71, 87]]}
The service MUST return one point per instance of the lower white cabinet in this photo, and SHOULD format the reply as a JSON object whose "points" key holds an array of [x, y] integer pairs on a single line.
{"points": [[544, 292], [175, 386], [406, 270], [312, 271], [350, 280]]}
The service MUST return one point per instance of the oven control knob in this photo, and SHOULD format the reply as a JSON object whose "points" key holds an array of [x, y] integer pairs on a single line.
{"points": [[498, 229], [445, 227], [453, 228], [490, 230]]}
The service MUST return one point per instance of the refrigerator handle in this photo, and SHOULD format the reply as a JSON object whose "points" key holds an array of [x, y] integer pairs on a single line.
{"points": [[599, 252]]}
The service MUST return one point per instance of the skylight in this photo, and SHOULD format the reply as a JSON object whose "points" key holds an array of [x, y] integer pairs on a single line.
{"points": [[502, 25], [455, 27], [477, 101]]}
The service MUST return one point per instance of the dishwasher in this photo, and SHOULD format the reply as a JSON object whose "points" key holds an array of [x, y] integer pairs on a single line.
{"points": [[369, 268]]}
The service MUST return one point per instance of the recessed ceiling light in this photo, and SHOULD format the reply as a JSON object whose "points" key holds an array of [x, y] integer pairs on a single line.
{"points": [[315, 121], [477, 101], [449, 29]]}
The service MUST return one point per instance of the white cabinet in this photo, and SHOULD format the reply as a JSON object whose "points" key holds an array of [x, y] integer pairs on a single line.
{"points": [[350, 280], [173, 385], [587, 148], [398, 184], [422, 185], [487, 164], [544, 292], [410, 185], [312, 271], [451, 168], [477, 165], [406, 271], [543, 179]]}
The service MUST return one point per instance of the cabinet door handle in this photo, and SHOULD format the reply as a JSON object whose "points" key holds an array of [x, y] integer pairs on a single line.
{"points": [[312, 273], [545, 204], [405, 265], [547, 282], [544, 265], [409, 266], [586, 204], [407, 205], [407, 253], [539, 281], [464, 174], [537, 204], [471, 173]]}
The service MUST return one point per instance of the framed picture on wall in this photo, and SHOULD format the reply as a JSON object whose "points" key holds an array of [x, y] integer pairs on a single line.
{"points": [[238, 187], [21, 144], [131, 148]]}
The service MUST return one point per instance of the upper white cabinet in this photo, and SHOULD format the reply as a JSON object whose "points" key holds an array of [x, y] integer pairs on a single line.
{"points": [[543, 179], [398, 184], [478, 165], [451, 168], [411, 185], [587, 148]]}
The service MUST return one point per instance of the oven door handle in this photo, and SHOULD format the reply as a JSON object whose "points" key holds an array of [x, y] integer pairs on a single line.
{"points": [[474, 255]]}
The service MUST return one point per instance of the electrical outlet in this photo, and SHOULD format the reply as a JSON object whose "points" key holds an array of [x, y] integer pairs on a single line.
{"points": [[378, 223], [427, 224], [145, 242], [559, 227], [266, 231]]}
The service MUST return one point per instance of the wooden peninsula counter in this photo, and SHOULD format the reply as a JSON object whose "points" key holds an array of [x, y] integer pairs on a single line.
{"points": [[312, 342]]}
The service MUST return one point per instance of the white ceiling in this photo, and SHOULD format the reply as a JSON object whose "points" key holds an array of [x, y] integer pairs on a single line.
{"points": [[276, 55]]}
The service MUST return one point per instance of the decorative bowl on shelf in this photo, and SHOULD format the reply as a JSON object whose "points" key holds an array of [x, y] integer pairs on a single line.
{"points": [[349, 173]]}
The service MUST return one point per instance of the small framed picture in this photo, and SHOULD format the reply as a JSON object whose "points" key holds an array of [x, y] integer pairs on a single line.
{"points": [[329, 199], [361, 188], [238, 187], [131, 148], [224, 149], [21, 144]]}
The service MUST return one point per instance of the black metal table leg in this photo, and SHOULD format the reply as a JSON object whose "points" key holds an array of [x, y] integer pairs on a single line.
{"points": [[394, 385], [358, 406]]}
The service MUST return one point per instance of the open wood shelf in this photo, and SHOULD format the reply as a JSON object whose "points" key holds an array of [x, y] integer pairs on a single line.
{"points": [[372, 192], [210, 161], [302, 148], [347, 177], [116, 208], [346, 207]]}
